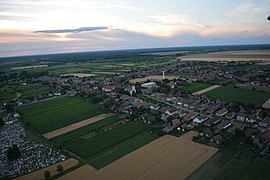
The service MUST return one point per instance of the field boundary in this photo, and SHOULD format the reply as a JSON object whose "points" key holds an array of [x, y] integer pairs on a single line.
{"points": [[206, 90], [74, 126]]}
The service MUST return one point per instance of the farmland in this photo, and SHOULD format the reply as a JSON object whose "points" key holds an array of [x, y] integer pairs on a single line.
{"points": [[238, 95], [57, 113], [194, 87], [257, 55], [102, 141], [152, 78], [165, 158]]}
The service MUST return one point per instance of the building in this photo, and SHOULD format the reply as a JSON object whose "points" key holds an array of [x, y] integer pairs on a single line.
{"points": [[149, 85]]}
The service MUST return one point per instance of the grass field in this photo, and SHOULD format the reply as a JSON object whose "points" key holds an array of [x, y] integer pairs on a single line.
{"points": [[231, 94], [119, 150], [31, 91], [83, 130], [54, 114], [105, 140], [232, 162], [194, 87], [7, 92]]}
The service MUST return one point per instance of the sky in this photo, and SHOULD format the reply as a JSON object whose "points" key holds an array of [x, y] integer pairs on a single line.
{"points": [[30, 27]]}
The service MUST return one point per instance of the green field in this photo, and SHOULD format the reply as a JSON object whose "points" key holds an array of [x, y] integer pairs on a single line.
{"points": [[85, 129], [194, 87], [60, 112], [233, 162], [31, 91], [239, 95], [7, 92], [119, 150], [106, 146]]}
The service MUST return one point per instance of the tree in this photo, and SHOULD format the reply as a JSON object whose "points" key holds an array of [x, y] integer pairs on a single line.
{"points": [[60, 168], [1, 122], [47, 174], [13, 152]]}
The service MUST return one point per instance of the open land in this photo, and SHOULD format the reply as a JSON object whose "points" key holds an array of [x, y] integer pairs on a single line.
{"points": [[266, 105], [57, 113], [206, 90], [152, 78], [194, 87], [79, 75], [29, 67], [74, 126], [170, 53], [239, 95], [39, 174], [257, 55], [165, 158]]}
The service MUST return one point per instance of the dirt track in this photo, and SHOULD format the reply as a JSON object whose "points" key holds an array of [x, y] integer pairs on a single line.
{"points": [[40, 173], [168, 157], [206, 90], [74, 126]]}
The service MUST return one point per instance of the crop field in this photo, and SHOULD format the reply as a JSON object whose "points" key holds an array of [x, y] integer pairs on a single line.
{"points": [[86, 149], [88, 128], [232, 162], [194, 87], [206, 90], [31, 91], [165, 158], [239, 95], [7, 92], [57, 113], [256, 55], [152, 78]]}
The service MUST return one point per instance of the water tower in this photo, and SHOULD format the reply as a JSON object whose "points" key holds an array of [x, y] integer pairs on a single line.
{"points": [[163, 75]]}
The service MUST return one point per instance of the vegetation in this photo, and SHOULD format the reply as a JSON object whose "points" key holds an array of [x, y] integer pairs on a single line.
{"points": [[47, 174], [60, 112], [13, 152], [59, 168], [194, 87], [239, 95]]}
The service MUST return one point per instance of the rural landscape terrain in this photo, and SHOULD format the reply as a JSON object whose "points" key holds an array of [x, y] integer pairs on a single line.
{"points": [[166, 113]]}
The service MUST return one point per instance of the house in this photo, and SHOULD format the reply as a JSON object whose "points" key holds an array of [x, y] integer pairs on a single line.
{"points": [[176, 122], [265, 122], [241, 117], [230, 116], [167, 129], [171, 111], [190, 116], [145, 116], [222, 112], [181, 113], [212, 121], [146, 91], [108, 88], [236, 126], [252, 118], [207, 133], [217, 139], [170, 98], [150, 120], [224, 125], [265, 137], [154, 107], [124, 97], [200, 119]]}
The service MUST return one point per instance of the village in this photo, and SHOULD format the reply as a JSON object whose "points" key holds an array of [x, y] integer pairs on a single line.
{"points": [[156, 101]]}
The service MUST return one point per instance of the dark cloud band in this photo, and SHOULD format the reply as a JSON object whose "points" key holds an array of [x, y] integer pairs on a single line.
{"points": [[81, 29]]}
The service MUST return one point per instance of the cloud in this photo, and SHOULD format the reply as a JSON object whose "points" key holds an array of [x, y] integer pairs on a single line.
{"points": [[78, 30]]}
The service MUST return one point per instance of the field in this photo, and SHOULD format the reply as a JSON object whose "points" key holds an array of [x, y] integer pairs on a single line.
{"points": [[29, 91], [57, 113], [194, 87], [152, 78], [266, 104], [233, 162], [165, 158], [257, 55], [206, 90], [80, 75], [88, 148], [29, 67], [39, 174], [245, 96], [74, 126]]}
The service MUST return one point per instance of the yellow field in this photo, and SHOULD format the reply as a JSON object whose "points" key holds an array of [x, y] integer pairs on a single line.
{"points": [[40, 173], [152, 78], [166, 53], [250, 55], [79, 75], [206, 90], [168, 157], [74, 126]]}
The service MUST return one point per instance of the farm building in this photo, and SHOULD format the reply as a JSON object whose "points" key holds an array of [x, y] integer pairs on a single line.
{"points": [[149, 85]]}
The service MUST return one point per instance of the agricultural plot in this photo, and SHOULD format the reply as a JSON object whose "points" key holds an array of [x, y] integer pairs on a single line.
{"points": [[7, 92], [194, 87], [87, 148], [165, 158], [206, 90], [85, 129], [257, 55], [152, 78], [29, 91], [57, 113], [239, 95]]}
